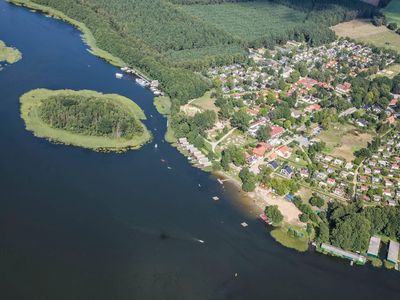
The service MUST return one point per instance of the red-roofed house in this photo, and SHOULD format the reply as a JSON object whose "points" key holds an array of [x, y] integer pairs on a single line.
{"points": [[260, 149], [343, 88], [284, 151], [391, 119], [393, 102], [313, 107], [276, 131]]}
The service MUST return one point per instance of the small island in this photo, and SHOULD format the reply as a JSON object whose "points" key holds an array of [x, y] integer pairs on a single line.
{"points": [[9, 54], [88, 119]]}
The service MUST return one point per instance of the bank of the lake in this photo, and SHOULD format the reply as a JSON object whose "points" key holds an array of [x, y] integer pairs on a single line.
{"points": [[32, 102], [86, 225], [9, 54]]}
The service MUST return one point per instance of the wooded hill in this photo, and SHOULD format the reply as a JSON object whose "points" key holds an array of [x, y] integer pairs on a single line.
{"points": [[168, 41]]}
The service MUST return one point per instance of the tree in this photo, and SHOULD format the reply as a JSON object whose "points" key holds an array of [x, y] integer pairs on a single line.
{"points": [[317, 201], [274, 214], [352, 233], [248, 180], [264, 133], [304, 218], [323, 233], [241, 120]]}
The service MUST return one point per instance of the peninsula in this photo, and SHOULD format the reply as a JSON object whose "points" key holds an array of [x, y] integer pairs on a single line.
{"points": [[9, 54], [88, 119]]}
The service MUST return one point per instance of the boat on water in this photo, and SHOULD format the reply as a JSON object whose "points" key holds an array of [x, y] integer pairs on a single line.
{"points": [[265, 219], [119, 75], [156, 146], [142, 82]]}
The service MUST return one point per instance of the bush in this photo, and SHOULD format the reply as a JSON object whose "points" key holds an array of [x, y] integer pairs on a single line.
{"points": [[317, 201]]}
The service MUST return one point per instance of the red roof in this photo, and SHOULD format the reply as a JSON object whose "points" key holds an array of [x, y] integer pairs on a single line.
{"points": [[393, 102], [260, 149], [313, 107], [276, 131]]}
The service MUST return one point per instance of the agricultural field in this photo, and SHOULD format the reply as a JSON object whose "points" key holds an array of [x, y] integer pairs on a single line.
{"points": [[364, 31], [249, 20], [343, 140], [392, 12]]}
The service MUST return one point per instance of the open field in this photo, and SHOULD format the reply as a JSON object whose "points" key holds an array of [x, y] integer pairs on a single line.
{"points": [[9, 54], [343, 140], [390, 72], [392, 12], [364, 31], [205, 102], [31, 101], [257, 19]]}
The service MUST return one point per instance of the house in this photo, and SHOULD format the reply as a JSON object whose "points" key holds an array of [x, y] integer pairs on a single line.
{"points": [[331, 181], [273, 164], [304, 173], [287, 171], [284, 151], [393, 102], [343, 89], [276, 131], [260, 149], [312, 108], [348, 166]]}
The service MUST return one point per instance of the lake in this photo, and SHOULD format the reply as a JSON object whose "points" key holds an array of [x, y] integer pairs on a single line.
{"points": [[75, 224]]}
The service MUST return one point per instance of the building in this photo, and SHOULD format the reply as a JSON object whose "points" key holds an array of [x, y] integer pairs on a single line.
{"points": [[260, 149], [343, 253], [343, 89], [312, 108], [374, 244], [287, 171], [276, 131], [284, 151], [393, 252]]}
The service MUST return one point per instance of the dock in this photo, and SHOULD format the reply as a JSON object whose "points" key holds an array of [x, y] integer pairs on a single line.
{"points": [[358, 258]]}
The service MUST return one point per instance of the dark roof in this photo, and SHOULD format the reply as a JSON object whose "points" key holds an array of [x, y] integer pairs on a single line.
{"points": [[274, 164]]}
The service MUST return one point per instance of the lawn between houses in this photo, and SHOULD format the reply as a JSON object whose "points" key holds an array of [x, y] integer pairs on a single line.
{"points": [[31, 101]]}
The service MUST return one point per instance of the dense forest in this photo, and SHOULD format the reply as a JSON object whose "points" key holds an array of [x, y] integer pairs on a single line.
{"points": [[168, 43], [89, 116]]}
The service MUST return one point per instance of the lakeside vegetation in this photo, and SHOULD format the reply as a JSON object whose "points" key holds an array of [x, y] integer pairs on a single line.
{"points": [[9, 54], [291, 238], [88, 119]]}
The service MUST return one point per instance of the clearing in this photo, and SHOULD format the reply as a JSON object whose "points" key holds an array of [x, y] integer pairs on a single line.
{"points": [[364, 31], [205, 102], [342, 140]]}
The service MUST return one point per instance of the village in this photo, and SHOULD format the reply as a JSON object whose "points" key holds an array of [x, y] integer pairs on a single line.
{"points": [[298, 117]]}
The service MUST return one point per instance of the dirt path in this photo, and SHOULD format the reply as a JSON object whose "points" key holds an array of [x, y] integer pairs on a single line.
{"points": [[215, 144]]}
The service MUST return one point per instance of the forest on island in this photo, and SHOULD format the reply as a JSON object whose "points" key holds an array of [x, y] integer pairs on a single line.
{"points": [[168, 43], [92, 116]]}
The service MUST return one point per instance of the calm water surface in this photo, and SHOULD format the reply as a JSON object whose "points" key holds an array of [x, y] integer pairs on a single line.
{"points": [[75, 224]]}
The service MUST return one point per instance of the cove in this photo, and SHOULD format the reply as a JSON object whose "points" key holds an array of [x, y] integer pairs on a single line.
{"points": [[76, 224]]}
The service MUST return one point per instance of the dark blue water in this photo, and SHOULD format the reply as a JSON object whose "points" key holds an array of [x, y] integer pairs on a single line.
{"points": [[76, 224]]}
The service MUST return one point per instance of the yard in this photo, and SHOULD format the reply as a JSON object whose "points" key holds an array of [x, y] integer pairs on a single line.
{"points": [[364, 31], [342, 140]]}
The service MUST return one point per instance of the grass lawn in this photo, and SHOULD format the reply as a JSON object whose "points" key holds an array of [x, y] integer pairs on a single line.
{"points": [[282, 236], [31, 101], [343, 139], [364, 31], [205, 102], [9, 54]]}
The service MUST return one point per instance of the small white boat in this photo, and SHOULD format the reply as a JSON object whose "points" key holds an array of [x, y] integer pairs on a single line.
{"points": [[119, 75], [156, 146], [201, 241]]}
